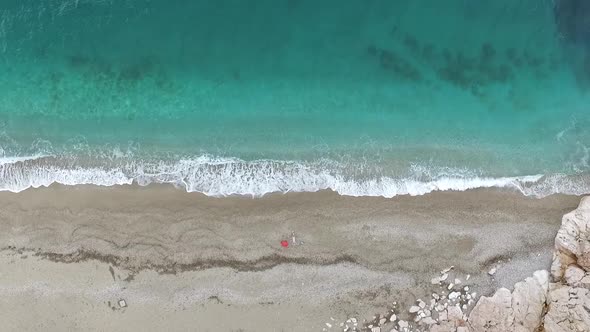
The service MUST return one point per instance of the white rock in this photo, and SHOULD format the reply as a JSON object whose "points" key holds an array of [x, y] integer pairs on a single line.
{"points": [[454, 295], [567, 309], [382, 321], [392, 318], [432, 304], [451, 285], [492, 271], [466, 288], [122, 303], [414, 309], [376, 329], [329, 325], [519, 311], [439, 307], [421, 304], [435, 296], [457, 281], [403, 324], [573, 275], [429, 321], [572, 243], [468, 276], [447, 270], [444, 277]]}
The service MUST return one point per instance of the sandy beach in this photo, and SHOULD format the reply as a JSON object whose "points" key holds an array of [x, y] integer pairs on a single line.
{"points": [[184, 261]]}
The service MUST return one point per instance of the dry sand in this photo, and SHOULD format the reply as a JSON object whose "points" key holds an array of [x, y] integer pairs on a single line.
{"points": [[188, 262]]}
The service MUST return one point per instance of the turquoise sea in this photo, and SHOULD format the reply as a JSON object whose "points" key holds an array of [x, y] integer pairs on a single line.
{"points": [[366, 98]]}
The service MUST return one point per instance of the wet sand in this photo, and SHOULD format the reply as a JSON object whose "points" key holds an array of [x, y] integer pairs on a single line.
{"points": [[186, 261]]}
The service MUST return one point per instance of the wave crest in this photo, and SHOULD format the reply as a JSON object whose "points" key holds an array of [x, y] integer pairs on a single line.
{"points": [[231, 176]]}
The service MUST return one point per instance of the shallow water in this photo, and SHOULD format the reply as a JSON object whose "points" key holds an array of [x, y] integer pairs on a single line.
{"points": [[249, 97]]}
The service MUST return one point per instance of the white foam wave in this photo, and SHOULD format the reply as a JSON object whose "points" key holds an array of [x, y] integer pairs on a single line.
{"points": [[18, 159], [231, 176]]}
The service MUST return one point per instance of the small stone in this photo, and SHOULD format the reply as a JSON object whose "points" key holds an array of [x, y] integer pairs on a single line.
{"points": [[435, 280], [447, 270], [468, 276], [444, 277], [457, 281], [402, 324], [382, 321], [435, 296], [392, 318], [427, 312], [376, 329], [421, 304], [451, 285], [422, 314], [439, 307], [122, 303], [414, 309], [454, 295], [466, 288], [353, 320], [464, 307], [492, 271], [432, 304], [329, 325], [429, 321], [473, 295]]}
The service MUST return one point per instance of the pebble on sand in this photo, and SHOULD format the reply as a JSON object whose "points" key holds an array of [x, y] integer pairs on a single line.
{"points": [[492, 271], [122, 303]]}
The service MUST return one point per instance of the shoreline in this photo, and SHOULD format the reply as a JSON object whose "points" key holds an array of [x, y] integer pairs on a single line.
{"points": [[159, 247]]}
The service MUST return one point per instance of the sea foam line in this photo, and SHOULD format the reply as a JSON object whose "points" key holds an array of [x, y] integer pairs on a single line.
{"points": [[231, 176]]}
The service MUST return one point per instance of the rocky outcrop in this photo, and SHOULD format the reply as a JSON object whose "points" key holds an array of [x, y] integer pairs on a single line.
{"points": [[569, 309], [569, 297], [572, 244], [535, 304], [519, 311]]}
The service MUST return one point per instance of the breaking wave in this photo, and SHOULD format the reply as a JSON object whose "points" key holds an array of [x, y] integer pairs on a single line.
{"points": [[220, 177]]}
